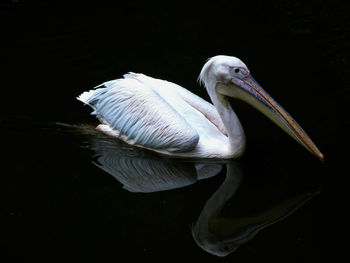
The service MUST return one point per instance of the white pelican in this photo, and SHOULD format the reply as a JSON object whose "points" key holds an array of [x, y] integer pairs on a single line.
{"points": [[164, 117]]}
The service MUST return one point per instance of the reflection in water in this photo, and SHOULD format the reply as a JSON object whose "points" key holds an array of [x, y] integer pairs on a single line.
{"points": [[221, 236], [141, 171]]}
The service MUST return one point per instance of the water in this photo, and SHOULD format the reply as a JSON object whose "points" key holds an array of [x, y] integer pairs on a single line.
{"points": [[82, 195], [70, 193]]}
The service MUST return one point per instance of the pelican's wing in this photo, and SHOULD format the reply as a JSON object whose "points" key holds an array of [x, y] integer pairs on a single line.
{"points": [[141, 115], [201, 105]]}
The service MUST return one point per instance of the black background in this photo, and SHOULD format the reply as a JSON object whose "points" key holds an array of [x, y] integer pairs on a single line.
{"points": [[52, 51]]}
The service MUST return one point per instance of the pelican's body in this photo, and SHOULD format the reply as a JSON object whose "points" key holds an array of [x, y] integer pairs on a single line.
{"points": [[161, 116], [166, 118]]}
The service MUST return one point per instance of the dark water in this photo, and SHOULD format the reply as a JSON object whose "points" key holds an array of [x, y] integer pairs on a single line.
{"points": [[70, 193]]}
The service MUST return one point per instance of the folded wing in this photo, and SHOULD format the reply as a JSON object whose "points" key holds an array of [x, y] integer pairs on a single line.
{"points": [[141, 115]]}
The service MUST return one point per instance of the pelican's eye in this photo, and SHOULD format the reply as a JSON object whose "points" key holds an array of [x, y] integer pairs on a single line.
{"points": [[239, 72]]}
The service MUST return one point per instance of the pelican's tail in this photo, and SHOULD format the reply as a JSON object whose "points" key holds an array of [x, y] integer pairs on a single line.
{"points": [[85, 96], [92, 97], [88, 97]]}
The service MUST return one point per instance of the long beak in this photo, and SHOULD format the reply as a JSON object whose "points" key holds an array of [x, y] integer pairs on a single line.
{"points": [[249, 90]]}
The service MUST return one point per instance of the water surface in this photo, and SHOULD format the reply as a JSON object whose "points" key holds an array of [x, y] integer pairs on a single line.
{"points": [[83, 195]]}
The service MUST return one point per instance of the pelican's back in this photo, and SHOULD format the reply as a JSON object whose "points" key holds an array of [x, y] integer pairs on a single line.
{"points": [[140, 115]]}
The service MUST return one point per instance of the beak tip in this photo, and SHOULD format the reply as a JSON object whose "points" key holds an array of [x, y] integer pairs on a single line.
{"points": [[322, 157]]}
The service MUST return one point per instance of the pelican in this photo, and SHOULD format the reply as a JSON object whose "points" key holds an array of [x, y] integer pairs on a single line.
{"points": [[166, 118]]}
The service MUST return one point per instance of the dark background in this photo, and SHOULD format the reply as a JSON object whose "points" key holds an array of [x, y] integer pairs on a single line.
{"points": [[297, 51], [52, 51]]}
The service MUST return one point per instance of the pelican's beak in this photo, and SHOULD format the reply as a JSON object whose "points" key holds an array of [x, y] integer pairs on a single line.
{"points": [[248, 90]]}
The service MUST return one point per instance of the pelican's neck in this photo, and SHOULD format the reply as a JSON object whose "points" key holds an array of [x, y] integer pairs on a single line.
{"points": [[229, 118]]}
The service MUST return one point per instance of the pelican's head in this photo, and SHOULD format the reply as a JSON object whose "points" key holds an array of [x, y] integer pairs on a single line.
{"points": [[221, 69], [225, 76]]}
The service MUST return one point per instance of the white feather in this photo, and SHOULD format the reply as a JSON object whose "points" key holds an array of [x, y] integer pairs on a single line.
{"points": [[138, 113], [85, 96]]}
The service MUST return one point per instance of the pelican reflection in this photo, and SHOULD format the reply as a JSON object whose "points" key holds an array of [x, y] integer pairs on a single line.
{"points": [[142, 171], [221, 235]]}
